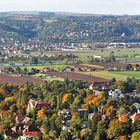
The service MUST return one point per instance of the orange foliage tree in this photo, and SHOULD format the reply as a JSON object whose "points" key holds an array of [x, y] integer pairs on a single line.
{"points": [[95, 101], [67, 97], [41, 113]]}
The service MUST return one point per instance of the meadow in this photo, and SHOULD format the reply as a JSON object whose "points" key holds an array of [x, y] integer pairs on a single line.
{"points": [[119, 75]]}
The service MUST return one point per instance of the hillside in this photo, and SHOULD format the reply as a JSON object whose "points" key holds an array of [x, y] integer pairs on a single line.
{"points": [[66, 27]]}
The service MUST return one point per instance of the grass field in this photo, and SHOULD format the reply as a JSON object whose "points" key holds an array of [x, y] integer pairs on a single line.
{"points": [[118, 75], [133, 54], [85, 55], [55, 67]]}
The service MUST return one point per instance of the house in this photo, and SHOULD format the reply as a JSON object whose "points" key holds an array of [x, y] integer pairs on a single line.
{"points": [[2, 71], [68, 69], [47, 69], [136, 67], [84, 68], [135, 93], [29, 136], [30, 128], [116, 93], [6, 70], [20, 118], [97, 57], [33, 104], [123, 118], [94, 86], [115, 67], [137, 106], [135, 117], [9, 133], [91, 87], [63, 111], [90, 116]]}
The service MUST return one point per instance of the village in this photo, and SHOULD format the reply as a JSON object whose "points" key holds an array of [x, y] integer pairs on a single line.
{"points": [[25, 125]]}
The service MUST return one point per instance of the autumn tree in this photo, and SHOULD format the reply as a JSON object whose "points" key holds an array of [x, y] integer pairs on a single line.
{"points": [[114, 129], [135, 136], [85, 133], [101, 131]]}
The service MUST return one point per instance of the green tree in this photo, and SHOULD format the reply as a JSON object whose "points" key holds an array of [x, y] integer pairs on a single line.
{"points": [[135, 136], [114, 129]]}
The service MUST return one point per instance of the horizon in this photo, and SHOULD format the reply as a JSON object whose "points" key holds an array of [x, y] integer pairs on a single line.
{"points": [[105, 7], [68, 13]]}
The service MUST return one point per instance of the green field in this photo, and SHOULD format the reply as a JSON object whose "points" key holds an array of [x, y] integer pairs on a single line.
{"points": [[133, 54], [84, 56], [55, 67], [118, 75]]}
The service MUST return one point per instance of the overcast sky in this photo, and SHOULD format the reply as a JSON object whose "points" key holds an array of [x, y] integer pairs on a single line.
{"points": [[78, 6]]}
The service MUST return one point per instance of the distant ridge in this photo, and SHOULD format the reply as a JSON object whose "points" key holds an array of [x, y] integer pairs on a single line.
{"points": [[57, 13]]}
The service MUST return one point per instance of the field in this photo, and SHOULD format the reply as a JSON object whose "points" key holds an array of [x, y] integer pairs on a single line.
{"points": [[103, 74], [19, 80], [123, 75], [40, 67], [48, 78], [77, 76], [133, 54], [84, 56]]}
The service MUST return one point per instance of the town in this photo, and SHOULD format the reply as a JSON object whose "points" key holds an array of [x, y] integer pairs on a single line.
{"points": [[69, 76], [70, 110]]}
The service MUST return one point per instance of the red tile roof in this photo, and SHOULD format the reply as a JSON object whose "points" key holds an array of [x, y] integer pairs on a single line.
{"points": [[31, 134]]}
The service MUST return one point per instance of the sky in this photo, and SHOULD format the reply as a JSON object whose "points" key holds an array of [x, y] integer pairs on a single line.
{"points": [[131, 7]]}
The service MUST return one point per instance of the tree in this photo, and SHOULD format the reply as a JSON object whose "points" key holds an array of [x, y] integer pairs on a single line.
{"points": [[34, 60], [112, 56], [135, 136], [18, 70], [25, 70], [67, 98], [53, 134], [8, 120], [129, 67], [75, 121], [85, 133], [101, 95], [121, 111], [65, 135], [114, 129], [41, 113], [123, 138], [95, 101], [101, 131], [109, 111], [120, 85]]}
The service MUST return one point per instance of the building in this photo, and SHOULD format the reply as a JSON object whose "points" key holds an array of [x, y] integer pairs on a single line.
{"points": [[29, 136], [33, 104]]}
